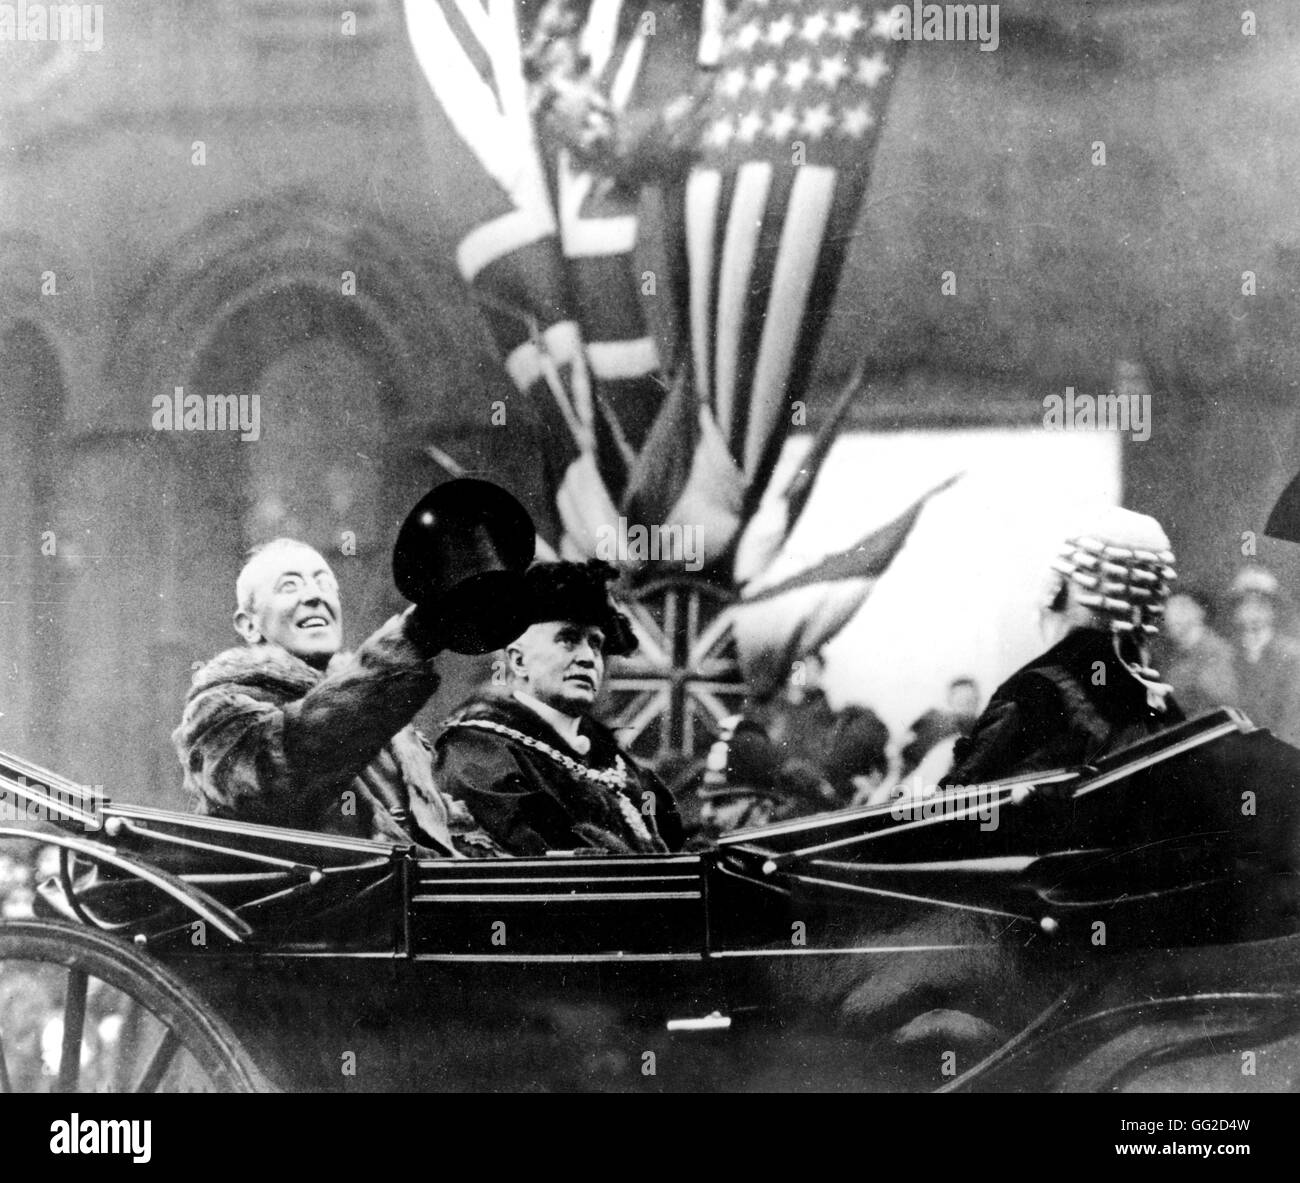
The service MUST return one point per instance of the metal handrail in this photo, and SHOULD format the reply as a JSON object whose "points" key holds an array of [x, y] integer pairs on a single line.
{"points": [[195, 899]]}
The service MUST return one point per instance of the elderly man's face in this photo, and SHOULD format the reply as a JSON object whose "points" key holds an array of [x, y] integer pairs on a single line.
{"points": [[561, 664], [295, 604]]}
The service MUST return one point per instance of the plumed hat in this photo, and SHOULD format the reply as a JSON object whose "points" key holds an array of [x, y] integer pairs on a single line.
{"points": [[579, 593]]}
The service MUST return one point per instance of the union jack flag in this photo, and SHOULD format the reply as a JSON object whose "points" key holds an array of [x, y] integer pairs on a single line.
{"points": [[548, 249]]}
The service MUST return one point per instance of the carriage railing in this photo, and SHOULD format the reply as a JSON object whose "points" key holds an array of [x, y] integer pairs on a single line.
{"points": [[915, 851], [235, 872], [48, 797], [55, 798], [261, 867]]}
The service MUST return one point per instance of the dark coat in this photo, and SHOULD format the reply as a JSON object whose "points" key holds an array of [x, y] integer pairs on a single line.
{"points": [[812, 737], [532, 802], [268, 738], [1069, 706]]}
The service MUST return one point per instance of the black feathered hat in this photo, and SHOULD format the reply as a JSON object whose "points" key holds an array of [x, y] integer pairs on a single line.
{"points": [[578, 592]]}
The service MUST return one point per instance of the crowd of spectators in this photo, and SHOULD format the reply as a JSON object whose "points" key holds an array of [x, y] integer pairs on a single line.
{"points": [[1239, 650], [795, 755]]}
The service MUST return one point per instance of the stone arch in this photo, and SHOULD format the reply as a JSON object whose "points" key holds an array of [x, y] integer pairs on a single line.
{"points": [[57, 316], [409, 301]]}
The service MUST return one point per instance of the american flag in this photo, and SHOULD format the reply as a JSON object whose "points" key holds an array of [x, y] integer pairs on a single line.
{"points": [[798, 102]]}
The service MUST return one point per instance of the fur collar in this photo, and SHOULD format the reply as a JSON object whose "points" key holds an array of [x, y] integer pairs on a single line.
{"points": [[268, 666], [509, 711]]}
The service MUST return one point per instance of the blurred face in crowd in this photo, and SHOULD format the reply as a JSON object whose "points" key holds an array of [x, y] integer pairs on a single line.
{"points": [[804, 677], [728, 812], [1184, 621], [865, 785], [288, 596], [561, 664], [963, 698], [1255, 616]]}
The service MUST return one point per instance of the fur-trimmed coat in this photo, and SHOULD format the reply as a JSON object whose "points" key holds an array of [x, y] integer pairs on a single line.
{"points": [[531, 802], [267, 738]]}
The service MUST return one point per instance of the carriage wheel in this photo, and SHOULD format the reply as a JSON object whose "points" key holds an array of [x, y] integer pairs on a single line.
{"points": [[81, 1011]]}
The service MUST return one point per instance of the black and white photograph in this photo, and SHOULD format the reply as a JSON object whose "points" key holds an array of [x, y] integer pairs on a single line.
{"points": [[650, 546]]}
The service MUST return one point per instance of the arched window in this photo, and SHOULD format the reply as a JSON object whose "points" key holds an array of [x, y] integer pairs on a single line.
{"points": [[313, 378]]}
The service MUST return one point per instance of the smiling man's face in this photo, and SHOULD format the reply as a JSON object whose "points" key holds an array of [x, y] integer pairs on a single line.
{"points": [[561, 664], [290, 598]]}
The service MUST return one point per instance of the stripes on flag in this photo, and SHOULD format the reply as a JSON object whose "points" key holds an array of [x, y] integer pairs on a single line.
{"points": [[770, 208], [736, 313], [802, 240]]}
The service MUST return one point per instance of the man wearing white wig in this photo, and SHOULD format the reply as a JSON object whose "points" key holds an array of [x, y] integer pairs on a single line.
{"points": [[1093, 691]]}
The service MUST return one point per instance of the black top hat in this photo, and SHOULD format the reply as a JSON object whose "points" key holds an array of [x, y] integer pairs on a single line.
{"points": [[578, 592], [461, 555]]}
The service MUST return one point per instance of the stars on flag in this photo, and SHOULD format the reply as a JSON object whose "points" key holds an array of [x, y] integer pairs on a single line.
{"points": [[871, 70], [857, 121], [831, 70], [885, 24], [816, 120], [801, 67], [765, 73], [780, 31], [782, 123], [751, 123], [749, 35], [797, 73], [733, 82], [814, 27], [847, 23]]}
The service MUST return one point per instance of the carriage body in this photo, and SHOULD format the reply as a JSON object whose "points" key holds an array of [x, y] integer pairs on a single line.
{"points": [[566, 971]]}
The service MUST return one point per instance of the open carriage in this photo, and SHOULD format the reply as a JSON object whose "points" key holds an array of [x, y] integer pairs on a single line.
{"points": [[178, 951]]}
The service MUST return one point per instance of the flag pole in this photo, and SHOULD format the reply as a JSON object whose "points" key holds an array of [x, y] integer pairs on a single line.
{"points": [[799, 490]]}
